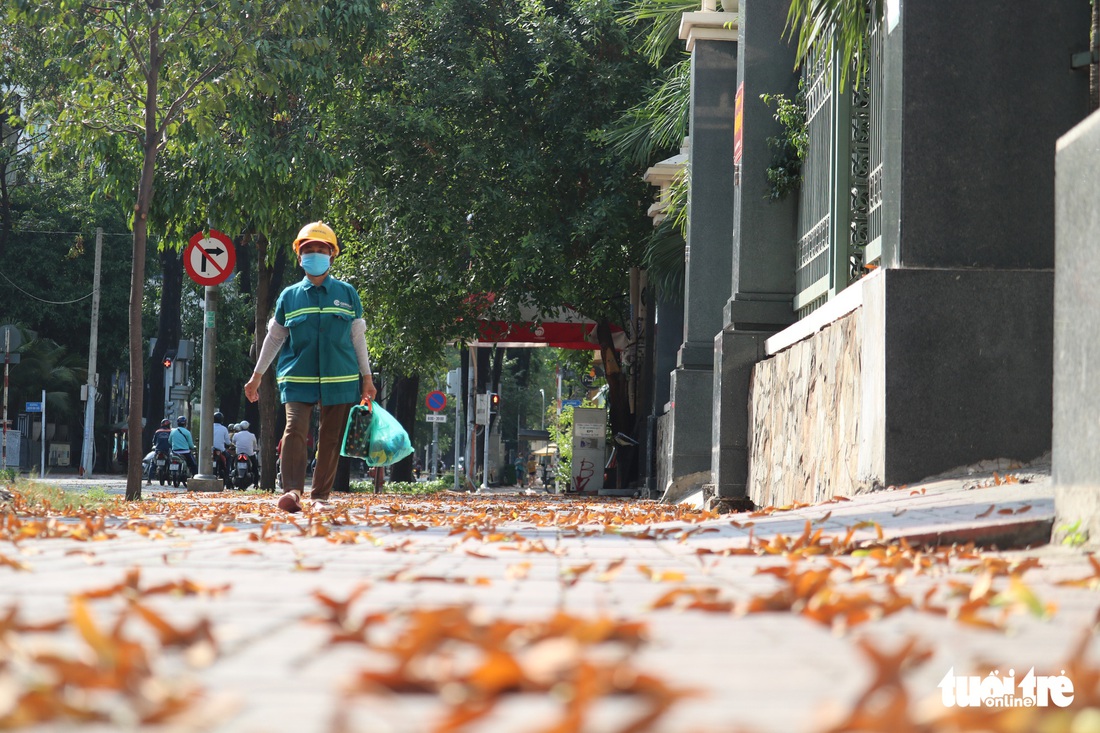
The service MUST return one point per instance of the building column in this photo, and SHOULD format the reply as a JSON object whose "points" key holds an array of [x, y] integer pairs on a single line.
{"points": [[764, 231], [712, 41], [665, 327]]}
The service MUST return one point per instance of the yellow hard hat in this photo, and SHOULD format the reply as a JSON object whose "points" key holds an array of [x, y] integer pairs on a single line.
{"points": [[317, 231]]}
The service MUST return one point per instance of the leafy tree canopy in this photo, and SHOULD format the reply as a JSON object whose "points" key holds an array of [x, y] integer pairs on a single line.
{"points": [[477, 168]]}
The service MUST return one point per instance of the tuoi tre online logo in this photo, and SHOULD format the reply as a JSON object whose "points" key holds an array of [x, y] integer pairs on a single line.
{"points": [[1005, 692]]}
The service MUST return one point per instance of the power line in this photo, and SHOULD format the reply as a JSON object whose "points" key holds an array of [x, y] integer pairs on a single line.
{"points": [[43, 300], [46, 231]]}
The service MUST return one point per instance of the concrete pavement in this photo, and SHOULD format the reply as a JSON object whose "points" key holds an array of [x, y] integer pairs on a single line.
{"points": [[761, 617]]}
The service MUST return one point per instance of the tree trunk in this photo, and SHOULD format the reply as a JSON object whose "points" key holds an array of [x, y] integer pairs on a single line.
{"points": [[168, 336], [150, 141], [268, 284], [618, 403], [137, 288], [402, 405]]}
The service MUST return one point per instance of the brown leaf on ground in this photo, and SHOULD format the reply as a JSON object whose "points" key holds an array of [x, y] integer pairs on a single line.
{"points": [[884, 705], [1089, 581], [6, 561]]}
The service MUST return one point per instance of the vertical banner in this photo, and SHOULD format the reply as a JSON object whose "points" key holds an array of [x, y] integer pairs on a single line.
{"points": [[739, 124]]}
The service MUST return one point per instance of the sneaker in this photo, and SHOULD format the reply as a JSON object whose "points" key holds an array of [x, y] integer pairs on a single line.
{"points": [[320, 504], [289, 502]]}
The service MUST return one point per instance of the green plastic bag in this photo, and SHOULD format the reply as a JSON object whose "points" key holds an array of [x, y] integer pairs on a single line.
{"points": [[375, 436]]}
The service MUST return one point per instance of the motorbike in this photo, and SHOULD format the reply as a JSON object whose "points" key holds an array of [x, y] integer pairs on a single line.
{"points": [[160, 467], [178, 470], [243, 476], [221, 468]]}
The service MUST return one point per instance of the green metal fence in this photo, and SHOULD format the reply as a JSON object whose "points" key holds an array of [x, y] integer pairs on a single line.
{"points": [[840, 203]]}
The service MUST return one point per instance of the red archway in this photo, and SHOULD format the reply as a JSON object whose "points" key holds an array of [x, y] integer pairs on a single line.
{"points": [[562, 328]]}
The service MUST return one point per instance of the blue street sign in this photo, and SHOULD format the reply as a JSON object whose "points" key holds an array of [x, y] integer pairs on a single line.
{"points": [[436, 401], [34, 407], [571, 403]]}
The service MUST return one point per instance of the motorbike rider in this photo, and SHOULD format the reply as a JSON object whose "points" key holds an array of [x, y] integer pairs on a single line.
{"points": [[245, 441], [162, 443], [183, 443], [219, 441]]}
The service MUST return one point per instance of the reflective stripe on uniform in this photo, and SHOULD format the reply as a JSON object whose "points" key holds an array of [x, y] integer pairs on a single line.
{"points": [[318, 380], [320, 311]]}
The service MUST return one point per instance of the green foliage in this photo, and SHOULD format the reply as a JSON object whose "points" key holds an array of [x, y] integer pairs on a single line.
{"points": [[659, 122], [234, 339], [561, 432], [270, 159], [413, 488], [50, 256], [785, 172], [478, 169], [1073, 534], [659, 21], [46, 365], [827, 27], [7, 475]]}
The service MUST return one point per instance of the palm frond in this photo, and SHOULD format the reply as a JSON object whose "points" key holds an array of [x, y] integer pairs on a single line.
{"points": [[657, 124], [663, 19], [825, 27]]}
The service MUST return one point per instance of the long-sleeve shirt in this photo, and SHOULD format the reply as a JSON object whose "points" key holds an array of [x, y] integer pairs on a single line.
{"points": [[182, 440]]}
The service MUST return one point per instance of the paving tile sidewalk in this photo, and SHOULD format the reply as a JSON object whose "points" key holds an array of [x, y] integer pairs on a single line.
{"points": [[509, 556]]}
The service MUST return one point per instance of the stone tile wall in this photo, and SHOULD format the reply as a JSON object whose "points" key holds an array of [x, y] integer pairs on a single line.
{"points": [[804, 418]]}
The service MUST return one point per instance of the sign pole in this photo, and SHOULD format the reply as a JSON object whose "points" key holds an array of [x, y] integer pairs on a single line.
{"points": [[208, 258], [435, 449], [458, 404], [206, 480], [42, 471]]}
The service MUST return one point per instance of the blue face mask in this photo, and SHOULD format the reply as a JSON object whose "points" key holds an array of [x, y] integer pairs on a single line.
{"points": [[315, 263]]}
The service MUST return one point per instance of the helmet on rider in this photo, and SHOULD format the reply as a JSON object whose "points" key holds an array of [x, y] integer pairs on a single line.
{"points": [[317, 232], [218, 418], [243, 425], [181, 420], [165, 422]]}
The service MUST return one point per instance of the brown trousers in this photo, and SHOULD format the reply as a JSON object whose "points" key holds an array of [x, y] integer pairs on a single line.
{"points": [[334, 419]]}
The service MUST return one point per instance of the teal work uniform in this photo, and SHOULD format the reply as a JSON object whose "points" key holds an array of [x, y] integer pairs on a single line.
{"points": [[317, 361]]}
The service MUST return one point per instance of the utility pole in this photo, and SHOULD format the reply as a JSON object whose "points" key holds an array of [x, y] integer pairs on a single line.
{"points": [[87, 459]]}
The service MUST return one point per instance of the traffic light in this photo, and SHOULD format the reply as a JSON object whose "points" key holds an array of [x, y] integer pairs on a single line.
{"points": [[169, 357], [494, 402]]}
